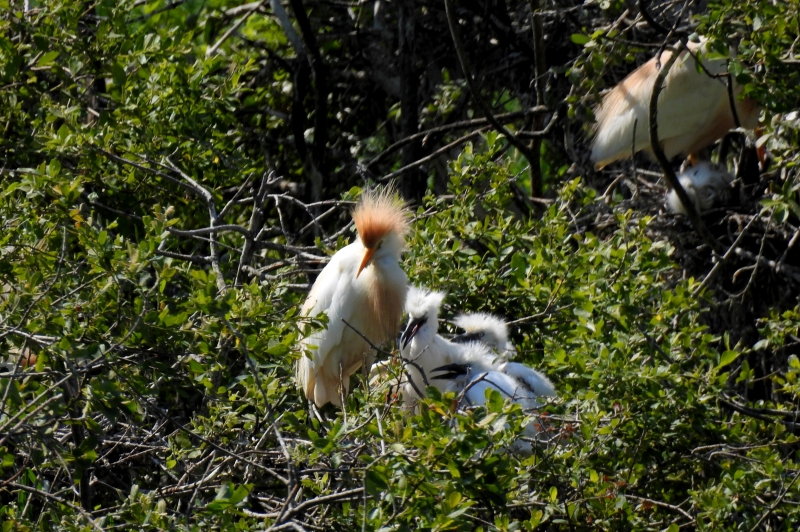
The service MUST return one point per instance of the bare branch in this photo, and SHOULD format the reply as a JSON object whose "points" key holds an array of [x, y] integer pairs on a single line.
{"points": [[655, 145]]}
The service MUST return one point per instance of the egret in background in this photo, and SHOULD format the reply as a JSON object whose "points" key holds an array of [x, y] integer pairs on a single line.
{"points": [[705, 185], [487, 329], [364, 285], [694, 109]]}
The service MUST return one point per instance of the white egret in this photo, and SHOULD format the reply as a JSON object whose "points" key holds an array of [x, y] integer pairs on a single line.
{"points": [[364, 285], [705, 185], [487, 329], [694, 108], [422, 349], [516, 382], [471, 367], [493, 332]]}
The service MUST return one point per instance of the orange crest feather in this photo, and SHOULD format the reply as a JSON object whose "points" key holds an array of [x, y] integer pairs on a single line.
{"points": [[380, 212]]}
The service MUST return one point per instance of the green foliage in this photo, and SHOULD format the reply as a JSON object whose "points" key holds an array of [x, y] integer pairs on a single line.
{"points": [[144, 365]]}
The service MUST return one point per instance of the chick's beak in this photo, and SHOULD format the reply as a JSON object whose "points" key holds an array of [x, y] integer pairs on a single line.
{"points": [[411, 330], [466, 338], [365, 261], [450, 371]]}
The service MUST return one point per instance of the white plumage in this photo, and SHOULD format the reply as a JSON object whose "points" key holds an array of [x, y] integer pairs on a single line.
{"points": [[364, 285], [471, 367], [693, 109], [423, 350], [492, 331], [705, 185], [487, 329]]}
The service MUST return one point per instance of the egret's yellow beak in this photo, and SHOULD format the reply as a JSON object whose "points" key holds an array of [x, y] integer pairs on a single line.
{"points": [[365, 260]]}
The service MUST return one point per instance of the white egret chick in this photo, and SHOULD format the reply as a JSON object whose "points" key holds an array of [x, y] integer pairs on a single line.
{"points": [[423, 349], [487, 329], [705, 185], [364, 285], [493, 331], [694, 109], [515, 382]]}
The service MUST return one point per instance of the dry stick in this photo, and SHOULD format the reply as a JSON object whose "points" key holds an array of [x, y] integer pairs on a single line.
{"points": [[433, 155], [212, 214], [655, 145], [32, 413], [380, 431], [254, 7], [333, 497], [791, 244], [775, 504], [59, 500], [286, 25], [537, 182], [650, 20], [727, 254], [487, 111], [373, 346], [235, 197], [732, 99], [464, 124], [205, 478], [256, 222], [792, 272], [212, 230], [192, 186], [755, 413], [672, 507], [542, 132]]}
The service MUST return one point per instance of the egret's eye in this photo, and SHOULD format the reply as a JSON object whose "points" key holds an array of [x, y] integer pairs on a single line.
{"points": [[480, 335]]}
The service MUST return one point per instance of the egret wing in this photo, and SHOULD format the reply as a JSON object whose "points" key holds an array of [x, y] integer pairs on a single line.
{"points": [[329, 294], [530, 378], [476, 394]]}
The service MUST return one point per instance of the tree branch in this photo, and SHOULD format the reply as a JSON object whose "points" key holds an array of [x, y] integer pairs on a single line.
{"points": [[658, 152]]}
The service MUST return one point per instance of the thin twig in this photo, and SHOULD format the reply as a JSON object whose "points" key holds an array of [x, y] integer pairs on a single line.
{"points": [[59, 500]]}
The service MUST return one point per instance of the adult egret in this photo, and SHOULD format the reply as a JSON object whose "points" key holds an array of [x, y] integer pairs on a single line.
{"points": [[705, 185], [364, 285], [487, 329], [694, 109]]}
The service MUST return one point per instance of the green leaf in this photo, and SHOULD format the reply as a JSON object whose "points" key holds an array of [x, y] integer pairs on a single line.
{"points": [[726, 358], [118, 75], [47, 59], [579, 38]]}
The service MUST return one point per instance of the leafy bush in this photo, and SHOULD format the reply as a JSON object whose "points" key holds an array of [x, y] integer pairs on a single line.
{"points": [[160, 228]]}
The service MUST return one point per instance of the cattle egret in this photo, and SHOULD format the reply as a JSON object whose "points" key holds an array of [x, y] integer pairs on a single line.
{"points": [[423, 350], [493, 332], [487, 329], [704, 184], [364, 285], [471, 367], [516, 382], [694, 109]]}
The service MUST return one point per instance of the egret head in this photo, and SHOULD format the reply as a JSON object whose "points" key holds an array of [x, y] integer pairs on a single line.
{"points": [[484, 328], [382, 223], [423, 315]]}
